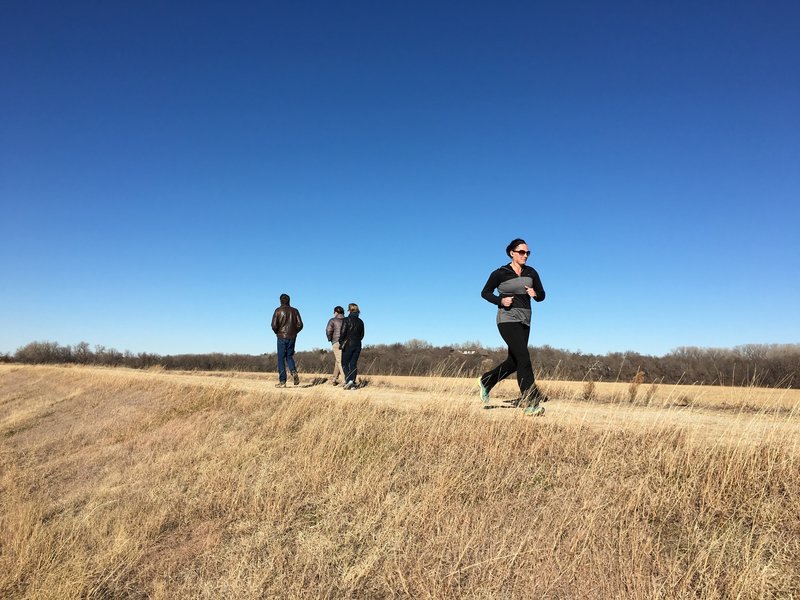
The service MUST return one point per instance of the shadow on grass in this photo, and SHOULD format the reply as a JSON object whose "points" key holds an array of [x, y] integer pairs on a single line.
{"points": [[314, 382], [514, 403]]}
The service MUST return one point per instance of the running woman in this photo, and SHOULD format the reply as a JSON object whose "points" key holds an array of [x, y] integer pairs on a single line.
{"points": [[517, 283]]}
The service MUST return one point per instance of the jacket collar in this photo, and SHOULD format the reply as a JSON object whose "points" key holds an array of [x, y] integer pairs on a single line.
{"points": [[524, 268]]}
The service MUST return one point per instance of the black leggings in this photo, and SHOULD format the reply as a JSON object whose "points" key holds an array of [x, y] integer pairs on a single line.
{"points": [[516, 337], [350, 355]]}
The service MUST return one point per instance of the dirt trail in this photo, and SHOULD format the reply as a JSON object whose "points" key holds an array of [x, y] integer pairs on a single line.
{"points": [[700, 424]]}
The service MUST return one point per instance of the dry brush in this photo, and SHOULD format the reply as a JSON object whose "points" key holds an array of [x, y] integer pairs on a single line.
{"points": [[141, 487]]}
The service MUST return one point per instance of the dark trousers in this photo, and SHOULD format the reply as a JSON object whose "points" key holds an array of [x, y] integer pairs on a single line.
{"points": [[515, 335], [285, 355], [350, 354]]}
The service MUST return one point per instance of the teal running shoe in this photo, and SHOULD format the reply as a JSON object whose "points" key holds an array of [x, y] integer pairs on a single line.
{"points": [[534, 411], [484, 391]]}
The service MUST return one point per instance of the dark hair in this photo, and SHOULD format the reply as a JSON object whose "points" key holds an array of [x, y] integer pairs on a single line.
{"points": [[284, 298], [338, 310], [513, 245]]}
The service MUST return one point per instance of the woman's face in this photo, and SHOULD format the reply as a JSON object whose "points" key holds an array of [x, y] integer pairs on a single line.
{"points": [[520, 254]]}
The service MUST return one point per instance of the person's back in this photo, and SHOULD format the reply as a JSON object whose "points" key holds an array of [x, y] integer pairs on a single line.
{"points": [[286, 324], [334, 327], [352, 329], [333, 331], [350, 343]]}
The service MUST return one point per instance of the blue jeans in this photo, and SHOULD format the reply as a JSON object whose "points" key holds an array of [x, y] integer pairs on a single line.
{"points": [[350, 355], [285, 355]]}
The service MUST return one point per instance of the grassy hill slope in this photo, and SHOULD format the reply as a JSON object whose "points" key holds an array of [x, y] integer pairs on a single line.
{"points": [[138, 485]]}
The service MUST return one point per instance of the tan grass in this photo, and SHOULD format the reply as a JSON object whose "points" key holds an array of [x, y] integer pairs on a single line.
{"points": [[128, 484]]}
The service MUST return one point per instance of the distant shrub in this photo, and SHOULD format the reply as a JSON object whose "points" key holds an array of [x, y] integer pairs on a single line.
{"points": [[43, 353]]}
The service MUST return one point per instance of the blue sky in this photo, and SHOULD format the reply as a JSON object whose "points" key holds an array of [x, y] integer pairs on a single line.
{"points": [[168, 169]]}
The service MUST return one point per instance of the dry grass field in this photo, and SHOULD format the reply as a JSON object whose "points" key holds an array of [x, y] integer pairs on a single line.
{"points": [[151, 484]]}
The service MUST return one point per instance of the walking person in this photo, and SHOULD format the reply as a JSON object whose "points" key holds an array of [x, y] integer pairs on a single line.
{"points": [[333, 330], [286, 323], [350, 343], [517, 284]]}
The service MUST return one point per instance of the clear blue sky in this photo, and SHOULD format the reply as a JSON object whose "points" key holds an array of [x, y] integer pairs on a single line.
{"points": [[168, 169]]}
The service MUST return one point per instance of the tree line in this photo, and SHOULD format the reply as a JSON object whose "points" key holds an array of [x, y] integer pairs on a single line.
{"points": [[769, 365]]}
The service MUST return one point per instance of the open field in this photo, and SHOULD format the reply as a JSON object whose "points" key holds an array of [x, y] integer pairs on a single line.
{"points": [[153, 484]]}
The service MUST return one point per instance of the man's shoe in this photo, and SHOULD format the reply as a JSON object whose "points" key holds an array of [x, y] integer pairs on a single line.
{"points": [[334, 382], [296, 378], [534, 411], [281, 384], [484, 391]]}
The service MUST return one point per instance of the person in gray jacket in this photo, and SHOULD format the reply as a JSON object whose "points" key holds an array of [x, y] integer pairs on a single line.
{"points": [[332, 330]]}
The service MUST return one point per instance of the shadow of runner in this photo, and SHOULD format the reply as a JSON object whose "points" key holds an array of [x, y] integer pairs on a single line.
{"points": [[513, 403], [315, 381]]}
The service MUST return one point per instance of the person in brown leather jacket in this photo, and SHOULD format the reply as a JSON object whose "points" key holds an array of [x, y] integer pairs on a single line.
{"points": [[286, 323]]}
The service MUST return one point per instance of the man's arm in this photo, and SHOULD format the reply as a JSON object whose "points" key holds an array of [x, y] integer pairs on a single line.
{"points": [[329, 330], [299, 320]]}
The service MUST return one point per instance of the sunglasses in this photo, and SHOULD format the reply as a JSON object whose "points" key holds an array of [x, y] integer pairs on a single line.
{"points": [[525, 252]]}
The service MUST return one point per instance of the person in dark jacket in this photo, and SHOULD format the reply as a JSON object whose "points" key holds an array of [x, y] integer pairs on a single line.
{"points": [[350, 342], [517, 284], [332, 330], [286, 323]]}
